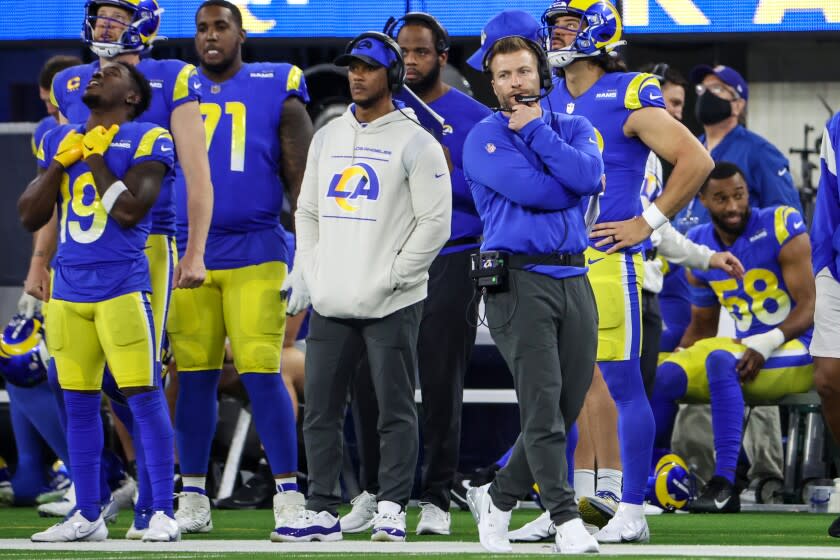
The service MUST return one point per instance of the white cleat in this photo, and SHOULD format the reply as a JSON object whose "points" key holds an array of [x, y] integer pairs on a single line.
{"points": [[573, 538], [75, 528], [309, 526], [288, 506], [139, 525], [492, 522], [124, 495], [193, 515], [433, 520], [62, 507], [388, 527], [162, 528], [628, 526], [361, 516], [539, 529]]}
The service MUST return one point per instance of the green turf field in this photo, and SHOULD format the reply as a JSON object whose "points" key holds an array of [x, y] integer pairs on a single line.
{"points": [[746, 529]]}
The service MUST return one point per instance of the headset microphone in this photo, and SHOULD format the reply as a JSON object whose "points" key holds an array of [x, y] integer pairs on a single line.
{"points": [[527, 99]]}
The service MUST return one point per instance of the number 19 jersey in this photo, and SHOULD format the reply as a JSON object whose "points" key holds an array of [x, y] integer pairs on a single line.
{"points": [[98, 259]]}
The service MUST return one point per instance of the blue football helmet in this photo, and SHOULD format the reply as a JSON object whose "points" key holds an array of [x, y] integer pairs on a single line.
{"points": [[140, 31], [673, 485], [23, 351], [598, 31]]}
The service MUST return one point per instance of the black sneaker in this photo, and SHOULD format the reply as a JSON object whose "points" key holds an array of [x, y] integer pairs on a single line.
{"points": [[719, 496], [257, 493], [834, 530]]}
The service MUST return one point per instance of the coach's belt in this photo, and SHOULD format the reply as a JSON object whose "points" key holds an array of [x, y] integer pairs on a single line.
{"points": [[552, 259]]}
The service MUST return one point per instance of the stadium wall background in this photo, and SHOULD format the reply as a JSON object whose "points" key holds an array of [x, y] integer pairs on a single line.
{"points": [[787, 73]]}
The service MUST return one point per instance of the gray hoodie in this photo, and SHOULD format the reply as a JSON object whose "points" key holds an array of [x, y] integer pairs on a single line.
{"points": [[373, 213]]}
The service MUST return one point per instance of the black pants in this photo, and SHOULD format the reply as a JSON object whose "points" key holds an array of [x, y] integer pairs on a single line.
{"points": [[447, 335], [651, 335], [547, 331], [333, 348]]}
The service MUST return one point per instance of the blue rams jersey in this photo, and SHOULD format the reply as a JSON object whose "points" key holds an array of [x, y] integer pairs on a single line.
{"points": [[173, 83], [461, 113], [44, 125], [825, 231], [242, 124], [97, 258], [760, 301], [607, 105], [766, 171]]}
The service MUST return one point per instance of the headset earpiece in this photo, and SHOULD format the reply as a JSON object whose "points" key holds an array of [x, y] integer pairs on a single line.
{"points": [[543, 69], [396, 70], [441, 45]]}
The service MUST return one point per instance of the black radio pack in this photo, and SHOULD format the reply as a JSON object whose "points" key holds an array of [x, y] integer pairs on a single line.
{"points": [[489, 270]]}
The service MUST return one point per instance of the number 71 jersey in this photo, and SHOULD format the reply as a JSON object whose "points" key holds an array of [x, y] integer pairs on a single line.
{"points": [[242, 126], [760, 301]]}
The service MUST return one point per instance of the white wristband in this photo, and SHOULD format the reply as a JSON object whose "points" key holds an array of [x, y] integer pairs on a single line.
{"points": [[765, 343], [111, 195], [654, 217]]}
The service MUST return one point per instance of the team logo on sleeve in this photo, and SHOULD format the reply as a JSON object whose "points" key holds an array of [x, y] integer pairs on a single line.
{"points": [[356, 181]]}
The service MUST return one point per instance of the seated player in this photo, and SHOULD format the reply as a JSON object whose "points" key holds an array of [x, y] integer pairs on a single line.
{"points": [[773, 310], [105, 175]]}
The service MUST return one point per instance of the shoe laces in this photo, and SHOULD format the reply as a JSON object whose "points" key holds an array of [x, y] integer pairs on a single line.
{"points": [[364, 501], [190, 503], [388, 519], [431, 512]]}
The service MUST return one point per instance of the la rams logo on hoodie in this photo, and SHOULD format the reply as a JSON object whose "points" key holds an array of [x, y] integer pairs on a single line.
{"points": [[358, 180]]}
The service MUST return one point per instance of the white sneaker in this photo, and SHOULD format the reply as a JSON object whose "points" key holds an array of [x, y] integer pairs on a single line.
{"points": [[598, 509], [573, 538], [629, 525], [139, 525], [7, 494], [539, 529], [124, 495], [388, 527], [309, 526], [193, 515], [492, 522], [75, 528], [361, 516], [110, 511], [162, 528], [62, 507], [433, 520], [287, 507]]}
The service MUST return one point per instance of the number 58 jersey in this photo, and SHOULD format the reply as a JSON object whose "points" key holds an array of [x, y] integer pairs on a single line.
{"points": [[242, 119], [760, 301], [97, 258]]}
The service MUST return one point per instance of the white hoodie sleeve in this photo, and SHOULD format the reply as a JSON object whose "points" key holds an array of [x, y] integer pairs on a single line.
{"points": [[679, 249], [431, 199], [306, 217]]}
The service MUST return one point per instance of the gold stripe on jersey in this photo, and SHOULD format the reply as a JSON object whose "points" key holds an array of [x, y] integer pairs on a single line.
{"points": [[147, 143], [293, 81], [637, 84], [182, 82], [780, 222], [39, 155]]}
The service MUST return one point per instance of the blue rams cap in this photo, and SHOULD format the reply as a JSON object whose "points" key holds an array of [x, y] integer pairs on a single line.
{"points": [[727, 75], [505, 24], [369, 50]]}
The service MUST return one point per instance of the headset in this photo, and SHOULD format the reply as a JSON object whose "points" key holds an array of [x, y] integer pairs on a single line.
{"points": [[396, 70], [441, 46], [660, 70], [543, 68]]}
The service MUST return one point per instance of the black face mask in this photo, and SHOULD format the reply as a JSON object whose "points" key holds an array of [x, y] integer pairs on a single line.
{"points": [[711, 109]]}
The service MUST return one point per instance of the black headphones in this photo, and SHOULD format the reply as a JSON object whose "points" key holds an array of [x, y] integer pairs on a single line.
{"points": [[396, 70], [660, 70], [442, 44], [543, 68]]}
